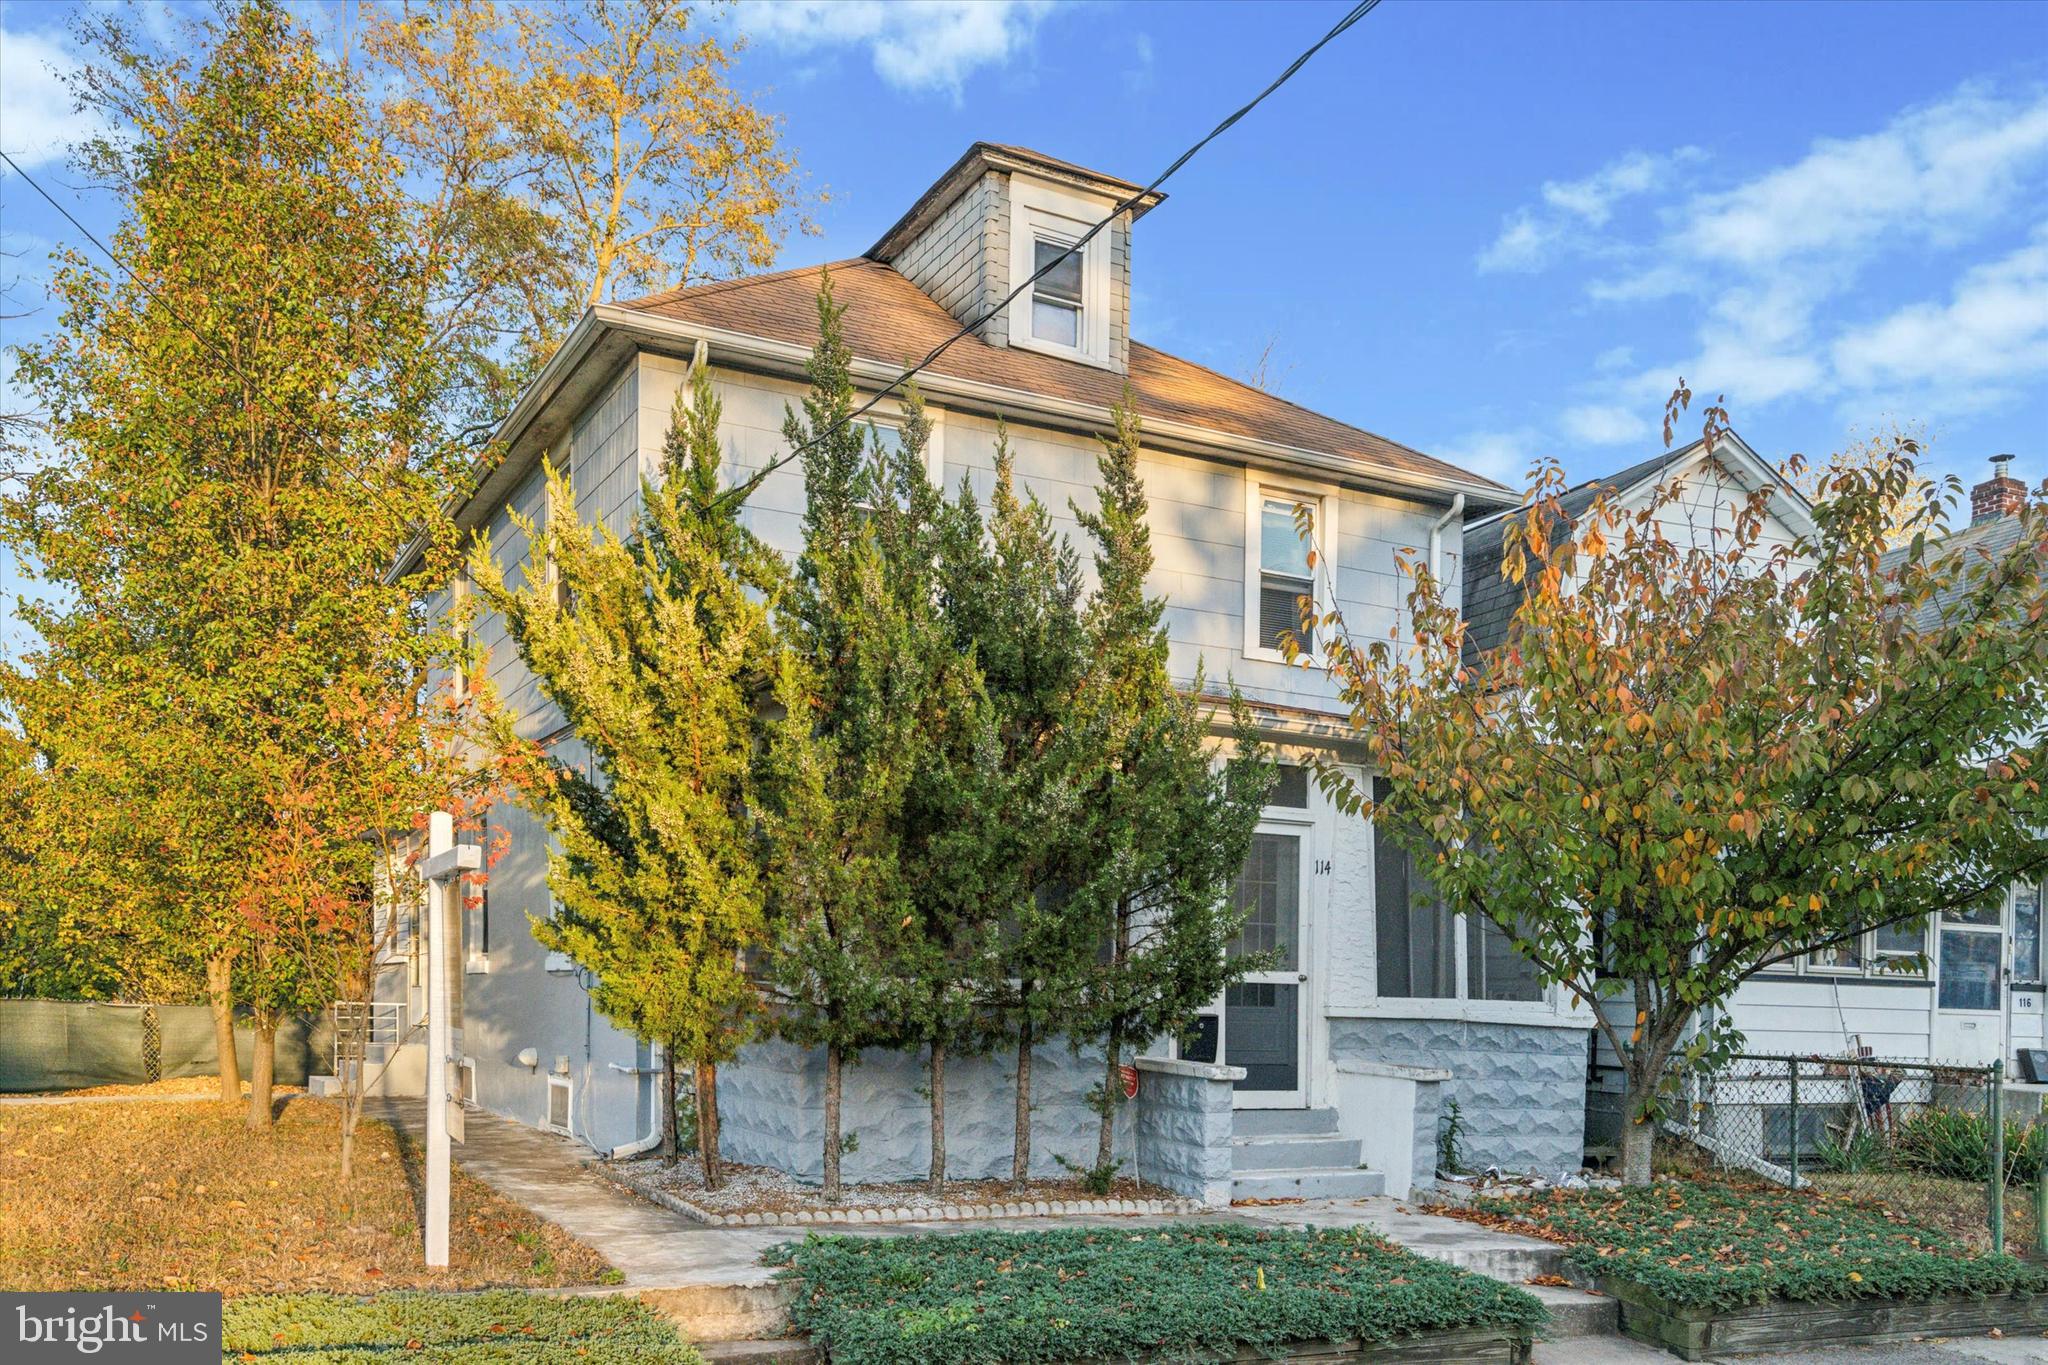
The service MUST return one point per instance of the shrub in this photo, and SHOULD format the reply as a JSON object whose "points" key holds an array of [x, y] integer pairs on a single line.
{"points": [[1717, 1245], [1114, 1293], [1864, 1151], [460, 1329], [1956, 1145]]}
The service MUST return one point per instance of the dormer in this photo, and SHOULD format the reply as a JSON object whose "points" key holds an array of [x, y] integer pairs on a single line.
{"points": [[993, 219]]}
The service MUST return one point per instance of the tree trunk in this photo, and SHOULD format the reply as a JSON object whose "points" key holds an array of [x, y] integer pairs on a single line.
{"points": [[707, 1125], [262, 1066], [935, 1183], [1020, 1149], [668, 1103], [1112, 1082], [220, 994], [832, 1123], [1637, 1135]]}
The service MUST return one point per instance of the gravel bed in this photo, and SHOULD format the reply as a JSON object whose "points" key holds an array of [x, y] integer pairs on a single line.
{"points": [[759, 1196]]}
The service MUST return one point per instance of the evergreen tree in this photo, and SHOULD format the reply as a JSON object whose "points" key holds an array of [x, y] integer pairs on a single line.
{"points": [[843, 752], [1160, 830], [1013, 593], [657, 665]]}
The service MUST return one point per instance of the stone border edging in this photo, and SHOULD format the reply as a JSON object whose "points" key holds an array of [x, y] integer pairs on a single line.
{"points": [[906, 1213]]}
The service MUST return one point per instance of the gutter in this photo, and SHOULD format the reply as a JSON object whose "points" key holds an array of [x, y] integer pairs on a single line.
{"points": [[786, 359], [1436, 539]]}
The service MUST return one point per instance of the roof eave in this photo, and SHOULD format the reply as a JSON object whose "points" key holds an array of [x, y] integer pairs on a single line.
{"points": [[789, 359]]}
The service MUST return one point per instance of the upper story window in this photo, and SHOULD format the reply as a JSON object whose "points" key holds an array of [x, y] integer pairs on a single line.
{"points": [[1056, 298], [1066, 312], [1285, 574], [1286, 533]]}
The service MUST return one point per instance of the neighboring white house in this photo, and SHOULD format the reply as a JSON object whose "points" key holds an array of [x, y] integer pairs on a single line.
{"points": [[1383, 1009], [1981, 995]]}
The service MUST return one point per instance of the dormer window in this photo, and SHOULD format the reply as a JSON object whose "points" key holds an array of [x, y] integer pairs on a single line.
{"points": [[1066, 311], [1056, 298]]}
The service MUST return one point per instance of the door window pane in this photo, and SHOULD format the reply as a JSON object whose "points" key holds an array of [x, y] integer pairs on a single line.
{"points": [[1262, 1034], [2026, 935], [1969, 970], [1493, 969], [1417, 953], [1269, 894]]}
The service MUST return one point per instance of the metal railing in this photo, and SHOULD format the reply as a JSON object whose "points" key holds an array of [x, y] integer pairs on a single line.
{"points": [[1927, 1142], [380, 1023]]}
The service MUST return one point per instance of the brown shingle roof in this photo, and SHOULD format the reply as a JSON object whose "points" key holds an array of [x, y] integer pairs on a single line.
{"points": [[890, 320]]}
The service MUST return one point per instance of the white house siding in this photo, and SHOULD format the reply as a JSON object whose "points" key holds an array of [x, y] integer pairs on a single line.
{"points": [[519, 1003], [1505, 1058]]}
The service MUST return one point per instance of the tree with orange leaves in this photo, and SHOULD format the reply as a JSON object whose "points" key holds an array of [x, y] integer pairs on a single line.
{"points": [[1688, 763]]}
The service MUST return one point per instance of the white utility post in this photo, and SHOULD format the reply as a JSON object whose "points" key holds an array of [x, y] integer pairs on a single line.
{"points": [[444, 865]]}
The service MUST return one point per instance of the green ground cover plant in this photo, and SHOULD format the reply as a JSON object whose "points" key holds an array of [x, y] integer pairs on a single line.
{"points": [[456, 1329], [1184, 1293], [1719, 1245]]}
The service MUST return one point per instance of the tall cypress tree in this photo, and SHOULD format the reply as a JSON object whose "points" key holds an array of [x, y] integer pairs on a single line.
{"points": [[1160, 829], [656, 649], [1013, 593], [845, 750]]}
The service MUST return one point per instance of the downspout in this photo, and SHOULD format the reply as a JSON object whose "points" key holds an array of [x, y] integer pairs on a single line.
{"points": [[1436, 538], [653, 1138]]}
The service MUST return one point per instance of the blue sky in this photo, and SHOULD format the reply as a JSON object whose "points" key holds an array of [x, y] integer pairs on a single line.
{"points": [[1489, 230]]}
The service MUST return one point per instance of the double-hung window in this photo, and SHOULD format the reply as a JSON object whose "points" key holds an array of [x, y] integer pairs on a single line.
{"points": [[1287, 534], [1068, 310], [1056, 298]]}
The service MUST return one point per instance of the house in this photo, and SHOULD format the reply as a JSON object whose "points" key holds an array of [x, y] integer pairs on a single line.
{"points": [[1384, 1010], [1980, 996]]}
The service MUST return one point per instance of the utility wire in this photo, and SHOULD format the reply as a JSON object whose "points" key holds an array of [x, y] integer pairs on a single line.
{"points": [[1357, 12], [164, 304]]}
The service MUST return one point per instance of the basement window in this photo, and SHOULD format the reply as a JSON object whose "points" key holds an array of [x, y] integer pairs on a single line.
{"points": [[557, 1120]]}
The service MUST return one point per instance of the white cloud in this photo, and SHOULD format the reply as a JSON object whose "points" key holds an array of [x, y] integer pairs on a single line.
{"points": [[1503, 456], [1991, 333], [1787, 275], [1531, 238], [1606, 424], [1931, 172], [37, 121], [916, 45]]}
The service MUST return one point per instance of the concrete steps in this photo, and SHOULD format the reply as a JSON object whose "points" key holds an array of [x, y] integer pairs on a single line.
{"points": [[1293, 1152], [1258, 1123], [1576, 1312], [1296, 1154]]}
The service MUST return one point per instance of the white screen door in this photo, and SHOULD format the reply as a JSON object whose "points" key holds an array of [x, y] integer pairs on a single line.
{"points": [[1969, 993], [1264, 1018]]}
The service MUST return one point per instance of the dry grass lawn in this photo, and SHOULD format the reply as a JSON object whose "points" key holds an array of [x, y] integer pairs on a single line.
{"points": [[182, 1196]]}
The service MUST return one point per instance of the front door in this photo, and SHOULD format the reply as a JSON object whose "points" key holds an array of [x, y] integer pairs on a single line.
{"points": [[1263, 1020], [1969, 993]]}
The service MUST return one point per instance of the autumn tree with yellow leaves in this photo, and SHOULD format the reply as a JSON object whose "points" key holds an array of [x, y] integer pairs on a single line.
{"points": [[1688, 763]]}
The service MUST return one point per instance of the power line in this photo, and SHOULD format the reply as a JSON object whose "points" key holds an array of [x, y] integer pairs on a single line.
{"points": [[1357, 12]]}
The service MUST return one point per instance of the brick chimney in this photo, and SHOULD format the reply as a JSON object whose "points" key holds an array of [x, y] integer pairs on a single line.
{"points": [[2001, 495]]}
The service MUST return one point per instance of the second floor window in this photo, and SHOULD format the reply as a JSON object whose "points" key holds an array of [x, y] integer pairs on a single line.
{"points": [[1285, 576], [1056, 298]]}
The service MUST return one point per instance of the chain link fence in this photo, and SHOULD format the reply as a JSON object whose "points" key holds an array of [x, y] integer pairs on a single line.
{"points": [[1947, 1147]]}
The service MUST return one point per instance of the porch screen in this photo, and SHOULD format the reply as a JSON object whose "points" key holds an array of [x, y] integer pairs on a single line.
{"points": [[1493, 969], [1417, 951]]}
